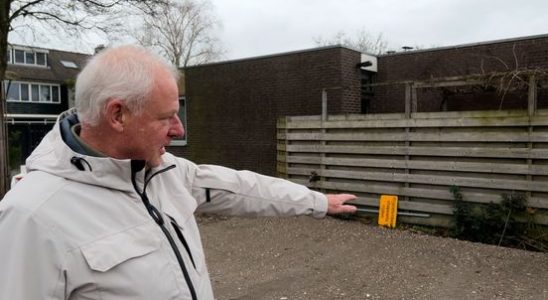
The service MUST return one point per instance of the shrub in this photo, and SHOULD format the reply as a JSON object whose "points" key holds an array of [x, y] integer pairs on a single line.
{"points": [[508, 223]]}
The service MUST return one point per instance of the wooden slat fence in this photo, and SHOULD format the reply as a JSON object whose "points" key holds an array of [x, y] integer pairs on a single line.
{"points": [[418, 158]]}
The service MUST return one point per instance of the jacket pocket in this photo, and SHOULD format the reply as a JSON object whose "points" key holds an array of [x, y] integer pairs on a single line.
{"points": [[104, 254]]}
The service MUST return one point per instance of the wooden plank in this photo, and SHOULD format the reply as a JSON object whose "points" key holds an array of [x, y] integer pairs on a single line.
{"points": [[445, 209], [413, 206], [424, 115], [449, 83], [487, 183], [444, 195], [453, 166], [519, 121], [470, 122], [471, 136], [537, 202], [422, 151]]}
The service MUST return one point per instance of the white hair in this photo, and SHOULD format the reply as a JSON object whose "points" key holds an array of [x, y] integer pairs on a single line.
{"points": [[126, 73]]}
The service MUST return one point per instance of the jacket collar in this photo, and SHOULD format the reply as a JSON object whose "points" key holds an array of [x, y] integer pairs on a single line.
{"points": [[57, 154]]}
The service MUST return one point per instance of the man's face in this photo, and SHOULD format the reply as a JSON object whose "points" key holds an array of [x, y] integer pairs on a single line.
{"points": [[148, 133]]}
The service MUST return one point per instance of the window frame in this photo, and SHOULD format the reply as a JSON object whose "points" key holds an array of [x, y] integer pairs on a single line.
{"points": [[31, 93], [12, 60]]}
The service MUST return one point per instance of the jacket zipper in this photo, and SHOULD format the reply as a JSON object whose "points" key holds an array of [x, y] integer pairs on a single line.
{"points": [[183, 240], [157, 217]]}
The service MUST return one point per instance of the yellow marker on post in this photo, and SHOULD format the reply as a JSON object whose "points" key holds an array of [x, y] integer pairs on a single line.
{"points": [[388, 210]]}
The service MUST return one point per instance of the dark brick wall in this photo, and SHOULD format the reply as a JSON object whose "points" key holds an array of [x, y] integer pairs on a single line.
{"points": [[525, 53], [232, 107]]}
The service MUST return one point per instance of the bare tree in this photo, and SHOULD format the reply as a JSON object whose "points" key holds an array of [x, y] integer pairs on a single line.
{"points": [[183, 32], [362, 41], [70, 15]]}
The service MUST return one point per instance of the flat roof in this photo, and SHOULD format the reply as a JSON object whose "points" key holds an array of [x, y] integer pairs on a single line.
{"points": [[271, 55], [442, 48], [508, 40]]}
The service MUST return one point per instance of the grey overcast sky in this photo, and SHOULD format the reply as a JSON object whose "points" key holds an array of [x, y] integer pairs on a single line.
{"points": [[262, 27]]}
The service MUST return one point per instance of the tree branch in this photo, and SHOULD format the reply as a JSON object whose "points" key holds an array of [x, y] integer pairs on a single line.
{"points": [[23, 9]]}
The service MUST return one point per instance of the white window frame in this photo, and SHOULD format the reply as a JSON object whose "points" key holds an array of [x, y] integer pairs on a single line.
{"points": [[182, 116], [12, 61], [39, 84]]}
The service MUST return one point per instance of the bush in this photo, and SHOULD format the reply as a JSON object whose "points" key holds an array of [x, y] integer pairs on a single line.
{"points": [[507, 223]]}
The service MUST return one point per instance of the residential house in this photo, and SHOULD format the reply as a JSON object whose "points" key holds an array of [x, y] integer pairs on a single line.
{"points": [[39, 85]]}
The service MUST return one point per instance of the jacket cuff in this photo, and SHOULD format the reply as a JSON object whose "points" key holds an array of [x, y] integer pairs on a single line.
{"points": [[320, 205]]}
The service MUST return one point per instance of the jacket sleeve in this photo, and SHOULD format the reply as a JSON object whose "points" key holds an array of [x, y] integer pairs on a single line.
{"points": [[30, 259], [244, 193]]}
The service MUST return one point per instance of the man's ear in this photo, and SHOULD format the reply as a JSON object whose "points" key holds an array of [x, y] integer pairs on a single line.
{"points": [[115, 114]]}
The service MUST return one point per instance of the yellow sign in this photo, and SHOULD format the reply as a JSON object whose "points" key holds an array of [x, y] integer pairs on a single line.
{"points": [[388, 210]]}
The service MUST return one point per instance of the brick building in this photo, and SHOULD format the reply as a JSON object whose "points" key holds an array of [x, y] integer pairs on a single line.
{"points": [[232, 106], [513, 56]]}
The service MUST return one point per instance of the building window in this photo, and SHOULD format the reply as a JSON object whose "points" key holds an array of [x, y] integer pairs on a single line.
{"points": [[35, 93], [27, 57], [31, 92], [41, 59], [13, 91], [181, 141], [69, 64], [25, 92], [19, 56]]}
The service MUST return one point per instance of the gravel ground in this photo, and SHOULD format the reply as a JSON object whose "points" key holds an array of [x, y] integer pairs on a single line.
{"points": [[304, 258]]}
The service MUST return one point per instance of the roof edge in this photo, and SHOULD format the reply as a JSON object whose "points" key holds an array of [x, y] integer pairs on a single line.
{"points": [[48, 49], [467, 45], [272, 55]]}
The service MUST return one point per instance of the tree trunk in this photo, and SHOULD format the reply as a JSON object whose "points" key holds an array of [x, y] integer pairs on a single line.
{"points": [[4, 164]]}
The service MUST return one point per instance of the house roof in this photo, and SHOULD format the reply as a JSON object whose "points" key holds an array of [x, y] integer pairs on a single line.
{"points": [[271, 56], [62, 66], [443, 48]]}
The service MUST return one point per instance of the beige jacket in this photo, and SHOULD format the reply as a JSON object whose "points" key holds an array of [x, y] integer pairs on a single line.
{"points": [[83, 232]]}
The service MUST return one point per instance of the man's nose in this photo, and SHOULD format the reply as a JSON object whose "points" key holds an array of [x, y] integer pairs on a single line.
{"points": [[177, 129]]}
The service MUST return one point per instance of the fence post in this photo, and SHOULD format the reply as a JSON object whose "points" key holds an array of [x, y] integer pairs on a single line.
{"points": [[324, 105], [410, 108], [532, 109], [532, 95], [323, 143], [281, 159], [407, 100]]}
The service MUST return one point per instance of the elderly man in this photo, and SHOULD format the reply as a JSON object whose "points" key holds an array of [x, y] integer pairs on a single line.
{"points": [[106, 213]]}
